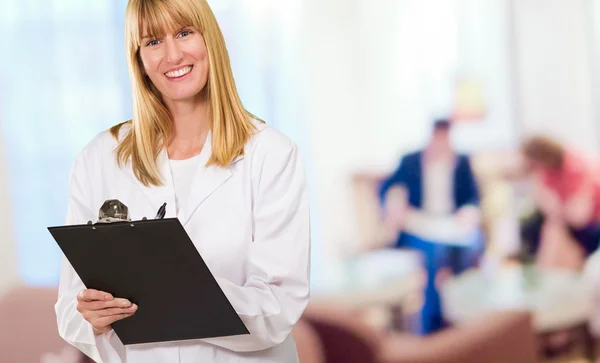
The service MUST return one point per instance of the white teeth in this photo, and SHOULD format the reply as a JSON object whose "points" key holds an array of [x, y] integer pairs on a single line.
{"points": [[179, 73]]}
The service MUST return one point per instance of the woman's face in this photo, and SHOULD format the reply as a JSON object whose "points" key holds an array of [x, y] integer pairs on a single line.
{"points": [[177, 64], [533, 166]]}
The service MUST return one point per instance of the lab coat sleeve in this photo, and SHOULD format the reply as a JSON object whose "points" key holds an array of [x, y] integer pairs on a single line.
{"points": [[72, 327], [276, 290]]}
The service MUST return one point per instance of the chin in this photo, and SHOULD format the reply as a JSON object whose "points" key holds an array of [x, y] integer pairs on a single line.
{"points": [[182, 96]]}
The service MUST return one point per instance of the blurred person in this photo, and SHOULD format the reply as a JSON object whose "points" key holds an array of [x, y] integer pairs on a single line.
{"points": [[565, 229], [432, 200], [236, 185]]}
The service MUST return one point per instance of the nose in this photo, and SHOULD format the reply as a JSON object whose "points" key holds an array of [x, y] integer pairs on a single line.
{"points": [[174, 53]]}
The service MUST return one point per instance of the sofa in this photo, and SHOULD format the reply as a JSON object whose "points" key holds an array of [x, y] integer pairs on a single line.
{"points": [[340, 335]]}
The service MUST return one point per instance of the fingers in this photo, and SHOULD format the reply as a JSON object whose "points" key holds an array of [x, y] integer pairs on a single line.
{"points": [[100, 305], [101, 319], [108, 320], [101, 309], [92, 295], [116, 311]]}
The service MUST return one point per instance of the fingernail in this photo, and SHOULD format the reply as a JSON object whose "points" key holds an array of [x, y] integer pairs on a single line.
{"points": [[107, 297], [134, 307], [125, 303]]}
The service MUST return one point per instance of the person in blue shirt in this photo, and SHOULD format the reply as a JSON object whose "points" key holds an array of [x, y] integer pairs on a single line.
{"points": [[432, 200]]}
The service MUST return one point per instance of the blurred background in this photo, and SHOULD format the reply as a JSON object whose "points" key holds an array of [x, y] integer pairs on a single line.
{"points": [[401, 274]]}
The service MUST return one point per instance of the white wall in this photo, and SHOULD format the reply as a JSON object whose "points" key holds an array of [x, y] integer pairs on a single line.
{"points": [[485, 53], [329, 66], [554, 75]]}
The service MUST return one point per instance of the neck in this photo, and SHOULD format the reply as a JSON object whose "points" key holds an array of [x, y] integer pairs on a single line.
{"points": [[190, 126], [439, 153]]}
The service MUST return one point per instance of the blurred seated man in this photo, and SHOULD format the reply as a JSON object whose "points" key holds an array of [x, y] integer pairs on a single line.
{"points": [[432, 201], [565, 229]]}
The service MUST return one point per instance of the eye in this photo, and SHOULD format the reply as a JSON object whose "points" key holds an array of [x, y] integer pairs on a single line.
{"points": [[152, 43], [185, 33]]}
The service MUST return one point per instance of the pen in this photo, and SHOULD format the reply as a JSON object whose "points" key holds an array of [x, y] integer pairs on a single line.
{"points": [[161, 211]]}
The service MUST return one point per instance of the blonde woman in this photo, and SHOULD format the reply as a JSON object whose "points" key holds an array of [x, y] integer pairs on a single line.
{"points": [[235, 184]]}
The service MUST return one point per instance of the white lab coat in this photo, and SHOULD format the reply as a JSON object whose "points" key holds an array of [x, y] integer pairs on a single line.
{"points": [[250, 223]]}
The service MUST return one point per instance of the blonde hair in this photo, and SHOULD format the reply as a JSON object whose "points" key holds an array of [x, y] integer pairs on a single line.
{"points": [[230, 123]]}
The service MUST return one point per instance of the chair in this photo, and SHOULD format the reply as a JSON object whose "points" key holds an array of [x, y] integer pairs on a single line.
{"points": [[371, 231], [308, 345], [500, 338], [345, 338]]}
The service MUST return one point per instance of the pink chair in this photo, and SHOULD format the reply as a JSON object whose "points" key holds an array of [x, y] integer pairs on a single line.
{"points": [[310, 349], [499, 338], [345, 338], [503, 337]]}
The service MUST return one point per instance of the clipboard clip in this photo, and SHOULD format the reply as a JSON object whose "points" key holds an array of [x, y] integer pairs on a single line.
{"points": [[113, 210]]}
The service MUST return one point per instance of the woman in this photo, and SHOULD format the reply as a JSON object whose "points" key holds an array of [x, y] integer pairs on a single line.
{"points": [[236, 185], [566, 228]]}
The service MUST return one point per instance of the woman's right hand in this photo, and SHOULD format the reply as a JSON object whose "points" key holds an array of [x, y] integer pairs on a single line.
{"points": [[101, 309]]}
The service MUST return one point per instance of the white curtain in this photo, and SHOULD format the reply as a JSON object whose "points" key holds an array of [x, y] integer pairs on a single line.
{"points": [[62, 80]]}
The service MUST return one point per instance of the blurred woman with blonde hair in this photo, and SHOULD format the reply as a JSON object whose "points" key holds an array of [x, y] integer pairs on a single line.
{"points": [[236, 185]]}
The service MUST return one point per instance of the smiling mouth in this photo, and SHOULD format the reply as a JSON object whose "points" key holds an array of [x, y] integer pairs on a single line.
{"points": [[179, 73]]}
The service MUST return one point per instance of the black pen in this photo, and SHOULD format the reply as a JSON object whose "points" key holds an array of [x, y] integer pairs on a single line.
{"points": [[161, 211]]}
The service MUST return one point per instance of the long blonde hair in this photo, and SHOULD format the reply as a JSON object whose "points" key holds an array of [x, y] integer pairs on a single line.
{"points": [[230, 123]]}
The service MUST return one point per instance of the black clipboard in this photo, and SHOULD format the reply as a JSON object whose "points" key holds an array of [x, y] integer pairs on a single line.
{"points": [[155, 265]]}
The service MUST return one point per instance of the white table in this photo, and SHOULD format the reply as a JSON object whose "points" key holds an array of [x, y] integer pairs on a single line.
{"points": [[558, 299], [384, 277]]}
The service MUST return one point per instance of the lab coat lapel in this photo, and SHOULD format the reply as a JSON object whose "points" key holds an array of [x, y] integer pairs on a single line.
{"points": [[207, 180]]}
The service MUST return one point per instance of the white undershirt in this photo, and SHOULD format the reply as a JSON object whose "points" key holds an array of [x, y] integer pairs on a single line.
{"points": [[437, 207], [183, 174], [438, 186]]}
